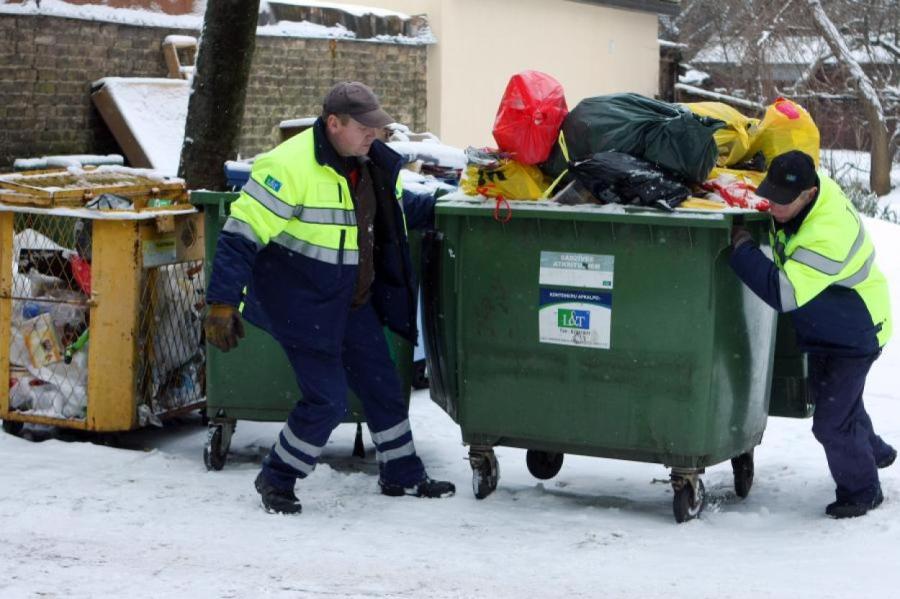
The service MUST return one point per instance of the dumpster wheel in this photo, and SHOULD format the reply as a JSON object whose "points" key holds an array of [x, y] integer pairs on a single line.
{"points": [[13, 427], [485, 472], [689, 497], [218, 442], [543, 464], [742, 466]]}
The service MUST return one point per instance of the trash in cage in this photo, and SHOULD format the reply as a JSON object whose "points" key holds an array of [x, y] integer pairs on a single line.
{"points": [[41, 340]]}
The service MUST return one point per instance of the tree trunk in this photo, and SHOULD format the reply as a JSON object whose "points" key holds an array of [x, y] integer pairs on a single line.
{"points": [[216, 107], [880, 174]]}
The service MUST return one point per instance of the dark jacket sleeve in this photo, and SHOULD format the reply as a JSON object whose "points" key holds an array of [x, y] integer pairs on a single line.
{"points": [[757, 272], [419, 209], [232, 269]]}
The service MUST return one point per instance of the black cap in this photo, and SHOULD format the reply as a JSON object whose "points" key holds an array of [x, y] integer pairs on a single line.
{"points": [[357, 100], [789, 175]]}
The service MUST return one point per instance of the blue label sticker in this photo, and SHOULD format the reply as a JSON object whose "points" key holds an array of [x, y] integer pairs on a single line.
{"points": [[273, 183]]}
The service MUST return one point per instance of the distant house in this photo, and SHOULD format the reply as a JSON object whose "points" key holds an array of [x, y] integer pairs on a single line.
{"points": [[802, 68]]}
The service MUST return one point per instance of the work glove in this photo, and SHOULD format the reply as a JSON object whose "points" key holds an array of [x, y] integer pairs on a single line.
{"points": [[223, 326], [739, 235]]}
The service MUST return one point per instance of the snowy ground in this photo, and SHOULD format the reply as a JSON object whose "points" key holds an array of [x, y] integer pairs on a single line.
{"points": [[80, 520]]}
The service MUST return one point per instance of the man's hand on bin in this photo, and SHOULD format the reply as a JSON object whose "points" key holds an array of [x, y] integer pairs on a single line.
{"points": [[739, 235], [223, 326]]}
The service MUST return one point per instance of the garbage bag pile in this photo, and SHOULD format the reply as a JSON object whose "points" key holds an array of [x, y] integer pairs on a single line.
{"points": [[49, 328], [632, 150], [50, 325]]}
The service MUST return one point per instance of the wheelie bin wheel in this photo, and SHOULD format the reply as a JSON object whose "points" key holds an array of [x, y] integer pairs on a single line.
{"points": [[13, 427], [688, 500], [215, 453], [742, 466], [485, 472], [543, 464]]}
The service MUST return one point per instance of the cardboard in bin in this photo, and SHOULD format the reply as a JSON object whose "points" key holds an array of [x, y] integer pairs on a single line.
{"points": [[147, 117]]}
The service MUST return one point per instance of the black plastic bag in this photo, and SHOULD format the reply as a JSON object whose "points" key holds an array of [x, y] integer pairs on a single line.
{"points": [[667, 135], [616, 177]]}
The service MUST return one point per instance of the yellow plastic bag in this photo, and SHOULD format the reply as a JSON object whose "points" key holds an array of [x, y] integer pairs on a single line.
{"points": [[512, 180], [786, 126], [734, 140], [755, 178]]}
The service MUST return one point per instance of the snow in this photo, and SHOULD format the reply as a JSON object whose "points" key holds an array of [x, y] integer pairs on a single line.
{"points": [[65, 160], [693, 77], [180, 41], [430, 152], [155, 110], [87, 213], [89, 12], [853, 166], [712, 95], [304, 122], [785, 50], [147, 18], [353, 9], [82, 521]]}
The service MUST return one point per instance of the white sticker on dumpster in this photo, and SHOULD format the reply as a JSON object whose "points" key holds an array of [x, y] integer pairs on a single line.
{"points": [[572, 269], [159, 251], [571, 317]]}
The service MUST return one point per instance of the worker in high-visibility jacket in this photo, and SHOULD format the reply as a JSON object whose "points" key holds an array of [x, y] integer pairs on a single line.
{"points": [[824, 275], [315, 252]]}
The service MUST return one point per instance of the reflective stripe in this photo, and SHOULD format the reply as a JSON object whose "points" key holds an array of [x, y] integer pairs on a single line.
{"points": [[326, 216], [395, 432], [786, 290], [309, 449], [400, 452], [265, 197], [860, 275], [239, 227], [827, 265], [291, 461], [316, 252]]}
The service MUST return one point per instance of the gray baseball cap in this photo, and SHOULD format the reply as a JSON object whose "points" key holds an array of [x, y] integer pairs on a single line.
{"points": [[357, 100]]}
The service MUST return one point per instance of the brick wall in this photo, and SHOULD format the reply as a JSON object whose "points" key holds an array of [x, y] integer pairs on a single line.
{"points": [[47, 66]]}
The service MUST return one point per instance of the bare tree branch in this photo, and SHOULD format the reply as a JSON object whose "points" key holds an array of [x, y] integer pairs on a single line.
{"points": [[880, 174]]}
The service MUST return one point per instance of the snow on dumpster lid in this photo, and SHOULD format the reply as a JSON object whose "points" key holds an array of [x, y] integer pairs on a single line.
{"points": [[147, 118]]}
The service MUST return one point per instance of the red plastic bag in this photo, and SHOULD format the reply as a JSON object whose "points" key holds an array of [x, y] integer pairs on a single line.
{"points": [[736, 193], [530, 115]]}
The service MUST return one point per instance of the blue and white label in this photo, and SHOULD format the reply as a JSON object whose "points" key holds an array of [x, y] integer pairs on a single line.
{"points": [[574, 269], [571, 317]]}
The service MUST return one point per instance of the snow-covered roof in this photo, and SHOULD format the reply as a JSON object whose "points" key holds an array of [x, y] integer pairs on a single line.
{"points": [[155, 110], [786, 50], [194, 21], [357, 10]]}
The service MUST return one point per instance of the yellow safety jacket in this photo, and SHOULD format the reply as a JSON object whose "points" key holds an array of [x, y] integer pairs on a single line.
{"points": [[291, 241], [825, 267]]}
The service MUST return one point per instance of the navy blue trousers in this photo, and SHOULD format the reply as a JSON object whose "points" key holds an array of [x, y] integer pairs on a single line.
{"points": [[364, 365], [842, 426]]}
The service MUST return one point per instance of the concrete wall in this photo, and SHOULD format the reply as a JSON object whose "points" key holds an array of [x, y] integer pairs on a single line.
{"points": [[47, 65], [590, 49]]}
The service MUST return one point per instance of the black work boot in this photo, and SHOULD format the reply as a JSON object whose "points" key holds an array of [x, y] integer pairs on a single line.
{"points": [[426, 488], [848, 509], [887, 460], [275, 500]]}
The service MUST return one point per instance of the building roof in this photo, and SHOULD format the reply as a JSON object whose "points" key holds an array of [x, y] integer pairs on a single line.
{"points": [[794, 50], [660, 7]]}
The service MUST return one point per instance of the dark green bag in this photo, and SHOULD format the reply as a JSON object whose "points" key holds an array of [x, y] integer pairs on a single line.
{"points": [[667, 135]]}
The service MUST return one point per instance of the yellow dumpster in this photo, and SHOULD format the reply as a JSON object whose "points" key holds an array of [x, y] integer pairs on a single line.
{"points": [[100, 300]]}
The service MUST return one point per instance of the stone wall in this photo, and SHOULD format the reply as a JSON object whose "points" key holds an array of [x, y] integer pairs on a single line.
{"points": [[47, 66]]}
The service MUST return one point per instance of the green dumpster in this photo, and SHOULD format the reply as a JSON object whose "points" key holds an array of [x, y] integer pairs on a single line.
{"points": [[599, 331], [255, 381]]}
